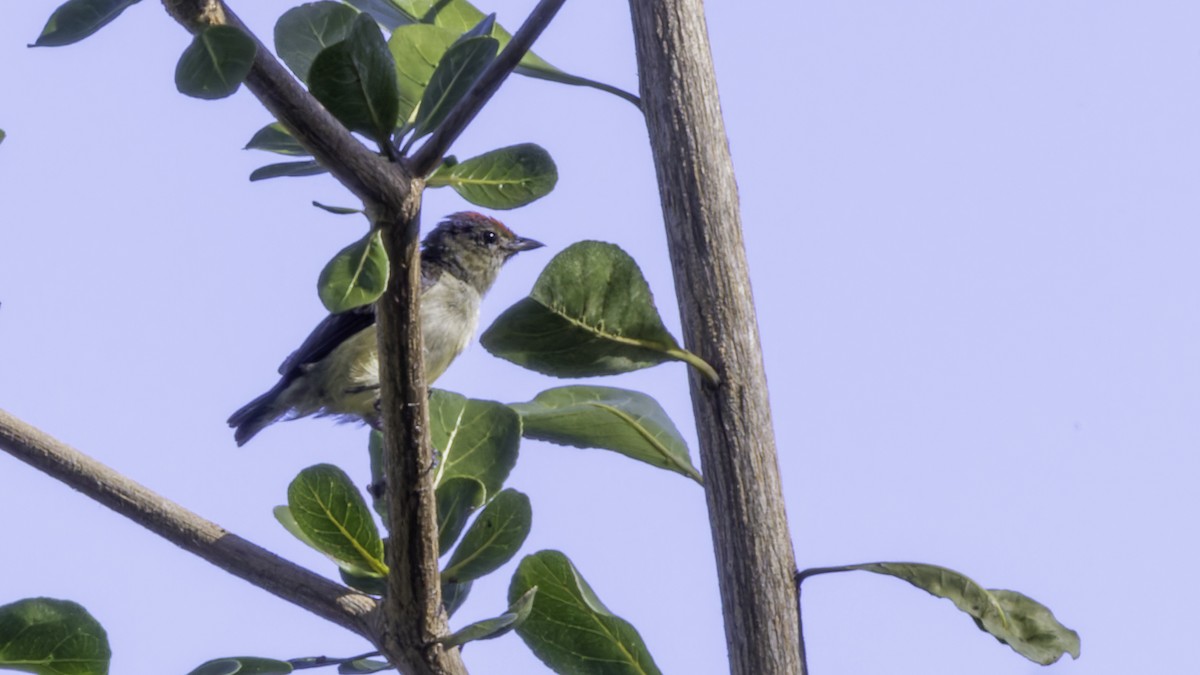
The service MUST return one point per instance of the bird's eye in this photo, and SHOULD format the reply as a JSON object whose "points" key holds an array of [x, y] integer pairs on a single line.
{"points": [[489, 237]]}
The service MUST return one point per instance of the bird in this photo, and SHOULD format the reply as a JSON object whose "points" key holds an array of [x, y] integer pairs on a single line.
{"points": [[335, 371]]}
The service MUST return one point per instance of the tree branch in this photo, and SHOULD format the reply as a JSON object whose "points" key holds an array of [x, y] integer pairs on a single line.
{"points": [[330, 601], [429, 155], [699, 199]]}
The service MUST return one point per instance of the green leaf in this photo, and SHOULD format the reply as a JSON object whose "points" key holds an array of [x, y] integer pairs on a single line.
{"points": [[457, 499], [2, 135], [275, 138], [459, 16], [589, 313], [364, 666], [243, 665], [337, 210], [215, 63], [494, 628], [569, 629], [367, 583], [475, 439], [454, 595], [356, 80], [307, 168], [460, 66], [332, 514], [1016, 620], [356, 276], [620, 420], [417, 49], [501, 179], [302, 32], [75, 20], [493, 539], [371, 585], [52, 637]]}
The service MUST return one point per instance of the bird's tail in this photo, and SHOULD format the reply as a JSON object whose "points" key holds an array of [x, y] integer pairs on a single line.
{"points": [[257, 414]]}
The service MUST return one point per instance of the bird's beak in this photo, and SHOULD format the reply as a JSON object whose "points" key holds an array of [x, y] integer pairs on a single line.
{"points": [[522, 244]]}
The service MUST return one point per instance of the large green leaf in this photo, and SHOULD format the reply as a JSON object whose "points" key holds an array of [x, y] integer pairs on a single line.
{"points": [[501, 179], [74, 20], [624, 421], [275, 138], [52, 637], [215, 63], [493, 539], [460, 66], [589, 313], [333, 516], [494, 628], [417, 49], [356, 80], [302, 32], [356, 276], [474, 439], [457, 499], [1016, 620], [282, 169], [243, 665], [569, 629], [460, 16]]}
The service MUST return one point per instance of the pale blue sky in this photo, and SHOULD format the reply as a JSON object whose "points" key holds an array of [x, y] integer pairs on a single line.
{"points": [[973, 236]]}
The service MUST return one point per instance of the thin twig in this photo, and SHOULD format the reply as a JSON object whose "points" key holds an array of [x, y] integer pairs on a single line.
{"points": [[330, 601], [429, 155]]}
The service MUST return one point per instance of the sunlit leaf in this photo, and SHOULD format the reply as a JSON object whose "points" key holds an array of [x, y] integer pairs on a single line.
{"points": [[474, 439], [356, 80], [52, 637], [494, 628], [589, 313], [417, 49], [624, 421], [302, 32], [493, 539], [569, 629], [501, 179], [356, 276], [334, 517], [274, 138], [75, 20], [215, 63]]}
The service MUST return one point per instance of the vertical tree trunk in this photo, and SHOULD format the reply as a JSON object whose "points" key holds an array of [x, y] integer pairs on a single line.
{"points": [[737, 445]]}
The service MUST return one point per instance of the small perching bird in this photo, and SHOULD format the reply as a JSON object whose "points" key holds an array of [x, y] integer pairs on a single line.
{"points": [[336, 370]]}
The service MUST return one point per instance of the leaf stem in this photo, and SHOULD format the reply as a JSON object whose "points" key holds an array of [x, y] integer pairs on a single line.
{"points": [[696, 362]]}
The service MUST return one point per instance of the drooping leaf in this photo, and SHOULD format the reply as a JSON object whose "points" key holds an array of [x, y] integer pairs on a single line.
{"points": [[215, 63], [356, 276], [620, 420], [494, 628], [337, 210], [302, 32], [282, 169], [590, 313], [333, 516], [1016, 620], [493, 539], [356, 80], [501, 179], [364, 667], [459, 16], [475, 439], [243, 665], [417, 49], [569, 629], [52, 637], [460, 66], [457, 499], [274, 138], [454, 595], [75, 20]]}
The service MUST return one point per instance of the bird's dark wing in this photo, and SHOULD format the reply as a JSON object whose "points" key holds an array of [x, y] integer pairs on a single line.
{"points": [[333, 331]]}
